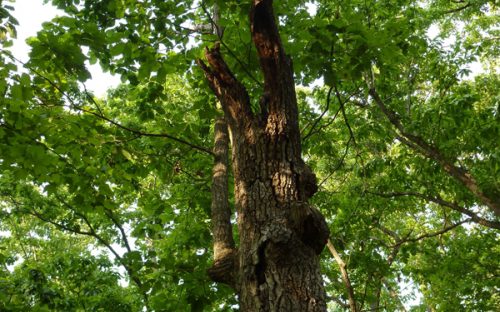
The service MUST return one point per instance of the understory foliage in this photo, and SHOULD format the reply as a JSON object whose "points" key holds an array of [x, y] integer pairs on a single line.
{"points": [[105, 201]]}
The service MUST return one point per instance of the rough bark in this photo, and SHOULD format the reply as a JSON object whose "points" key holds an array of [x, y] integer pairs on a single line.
{"points": [[281, 235]]}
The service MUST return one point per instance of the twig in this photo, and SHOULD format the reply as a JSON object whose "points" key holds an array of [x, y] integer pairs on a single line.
{"points": [[341, 161], [438, 200], [320, 116], [351, 133], [110, 215], [458, 9], [437, 233], [137, 132]]}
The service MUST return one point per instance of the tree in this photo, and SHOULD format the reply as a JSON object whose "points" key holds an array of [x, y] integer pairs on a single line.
{"points": [[403, 144], [275, 267]]}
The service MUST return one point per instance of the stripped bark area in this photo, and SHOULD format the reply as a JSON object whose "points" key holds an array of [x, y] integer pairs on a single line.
{"points": [[280, 234]]}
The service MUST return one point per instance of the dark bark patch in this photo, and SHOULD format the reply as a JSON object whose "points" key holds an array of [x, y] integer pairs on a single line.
{"points": [[260, 267], [315, 230]]}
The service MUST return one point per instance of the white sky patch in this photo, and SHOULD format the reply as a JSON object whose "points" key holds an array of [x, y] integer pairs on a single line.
{"points": [[31, 14], [100, 81], [312, 9], [410, 290], [433, 31]]}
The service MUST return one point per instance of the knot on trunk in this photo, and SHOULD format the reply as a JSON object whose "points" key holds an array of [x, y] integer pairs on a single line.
{"points": [[315, 230], [310, 226], [307, 180]]}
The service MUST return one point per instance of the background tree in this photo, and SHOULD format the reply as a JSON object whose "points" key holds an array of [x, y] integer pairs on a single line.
{"points": [[402, 139]]}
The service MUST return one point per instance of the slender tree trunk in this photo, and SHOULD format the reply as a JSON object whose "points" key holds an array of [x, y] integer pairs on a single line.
{"points": [[281, 235], [224, 249]]}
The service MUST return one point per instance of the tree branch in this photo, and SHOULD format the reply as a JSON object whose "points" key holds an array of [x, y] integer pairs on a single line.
{"points": [[438, 200], [140, 133], [390, 259], [341, 161], [437, 233], [394, 296], [279, 94], [351, 133], [267, 41], [230, 92], [345, 276], [216, 29], [92, 233], [110, 215], [328, 97], [339, 301], [458, 9], [432, 152], [75, 106], [317, 120]]}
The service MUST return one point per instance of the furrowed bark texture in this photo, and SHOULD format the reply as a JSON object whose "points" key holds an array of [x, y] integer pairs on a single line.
{"points": [[281, 235]]}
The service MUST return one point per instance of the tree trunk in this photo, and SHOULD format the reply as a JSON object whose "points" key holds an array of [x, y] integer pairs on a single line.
{"points": [[280, 234]]}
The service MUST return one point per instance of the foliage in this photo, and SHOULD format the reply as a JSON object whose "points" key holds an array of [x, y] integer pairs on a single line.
{"points": [[105, 201]]}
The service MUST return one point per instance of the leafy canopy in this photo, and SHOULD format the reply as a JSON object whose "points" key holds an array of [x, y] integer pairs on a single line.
{"points": [[105, 201]]}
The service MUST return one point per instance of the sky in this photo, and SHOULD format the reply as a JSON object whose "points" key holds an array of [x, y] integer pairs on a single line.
{"points": [[31, 14]]}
